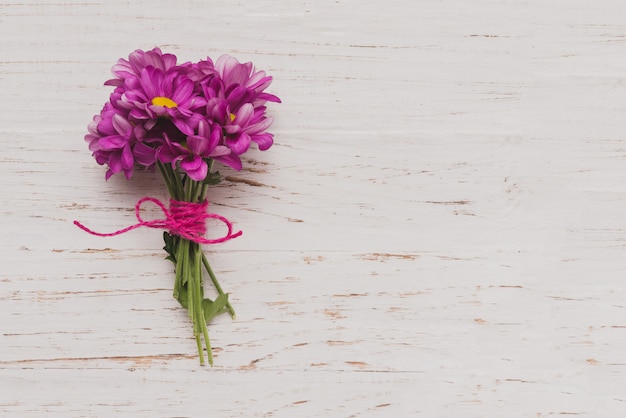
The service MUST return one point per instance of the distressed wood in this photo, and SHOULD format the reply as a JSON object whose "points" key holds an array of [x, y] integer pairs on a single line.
{"points": [[438, 230]]}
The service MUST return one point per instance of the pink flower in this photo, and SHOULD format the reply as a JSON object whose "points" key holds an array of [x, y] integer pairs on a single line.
{"points": [[242, 84], [192, 155], [157, 94], [111, 138], [137, 61], [242, 127]]}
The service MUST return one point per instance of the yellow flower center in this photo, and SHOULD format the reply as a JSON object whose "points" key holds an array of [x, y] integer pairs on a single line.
{"points": [[232, 117], [164, 101]]}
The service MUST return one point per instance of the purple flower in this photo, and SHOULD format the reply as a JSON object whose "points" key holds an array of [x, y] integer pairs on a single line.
{"points": [[200, 71], [158, 94], [192, 155], [242, 84], [111, 138], [242, 127], [137, 61]]}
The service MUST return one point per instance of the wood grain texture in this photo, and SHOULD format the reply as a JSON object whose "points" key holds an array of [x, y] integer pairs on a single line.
{"points": [[438, 231]]}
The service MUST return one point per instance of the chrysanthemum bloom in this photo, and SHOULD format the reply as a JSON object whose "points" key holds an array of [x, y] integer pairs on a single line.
{"points": [[111, 138], [242, 84], [137, 61], [242, 127], [200, 71], [158, 94], [192, 154]]}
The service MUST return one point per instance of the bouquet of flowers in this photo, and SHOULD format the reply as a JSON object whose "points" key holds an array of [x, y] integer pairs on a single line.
{"points": [[181, 119]]}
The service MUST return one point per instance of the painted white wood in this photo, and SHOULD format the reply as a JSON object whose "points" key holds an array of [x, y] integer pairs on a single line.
{"points": [[438, 231]]}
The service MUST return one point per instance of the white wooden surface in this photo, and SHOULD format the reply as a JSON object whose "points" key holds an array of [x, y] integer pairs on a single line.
{"points": [[439, 230]]}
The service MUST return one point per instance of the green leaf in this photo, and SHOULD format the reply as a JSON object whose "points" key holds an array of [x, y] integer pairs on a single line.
{"points": [[212, 178], [214, 308], [171, 242], [182, 297]]}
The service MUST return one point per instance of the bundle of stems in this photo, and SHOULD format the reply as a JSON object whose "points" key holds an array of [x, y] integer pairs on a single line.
{"points": [[189, 260]]}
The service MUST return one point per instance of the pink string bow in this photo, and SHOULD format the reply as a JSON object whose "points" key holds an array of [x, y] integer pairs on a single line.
{"points": [[185, 219]]}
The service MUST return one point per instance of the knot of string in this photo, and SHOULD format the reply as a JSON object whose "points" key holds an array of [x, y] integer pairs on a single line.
{"points": [[185, 219]]}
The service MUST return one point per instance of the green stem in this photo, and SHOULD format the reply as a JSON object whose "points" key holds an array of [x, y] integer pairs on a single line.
{"points": [[167, 179], [195, 301], [194, 284], [200, 311], [209, 270], [200, 348], [180, 270], [205, 261], [177, 183]]}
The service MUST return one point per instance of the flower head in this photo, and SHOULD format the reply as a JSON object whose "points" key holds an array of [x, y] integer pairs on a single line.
{"points": [[242, 84], [192, 154], [137, 61], [158, 94], [240, 128], [111, 138]]}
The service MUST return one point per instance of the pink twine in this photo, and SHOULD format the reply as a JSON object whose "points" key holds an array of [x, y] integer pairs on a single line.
{"points": [[185, 219]]}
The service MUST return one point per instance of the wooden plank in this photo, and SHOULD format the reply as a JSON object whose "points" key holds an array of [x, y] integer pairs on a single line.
{"points": [[438, 230]]}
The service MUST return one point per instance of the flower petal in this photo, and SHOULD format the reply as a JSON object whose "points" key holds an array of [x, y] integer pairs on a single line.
{"points": [[225, 64], [269, 97], [183, 89], [230, 160], [198, 145], [239, 145], [121, 125], [264, 140], [115, 162], [111, 143], [127, 157], [259, 127], [232, 129], [219, 151], [215, 136], [183, 126], [244, 114], [195, 167], [144, 154]]}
